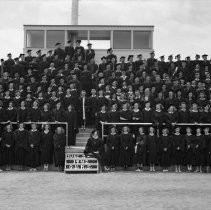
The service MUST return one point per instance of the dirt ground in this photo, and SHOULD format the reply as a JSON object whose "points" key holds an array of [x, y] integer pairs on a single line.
{"points": [[118, 190]]}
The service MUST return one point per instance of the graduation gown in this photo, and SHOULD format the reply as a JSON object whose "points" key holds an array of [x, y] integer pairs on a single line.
{"points": [[178, 144], [11, 115], [46, 147], [152, 149], [22, 115], [165, 144], [207, 149], [113, 116], [126, 149], [183, 116], [140, 149], [190, 149], [21, 146], [200, 150], [59, 149], [112, 145], [95, 147], [147, 116], [34, 152], [45, 116], [34, 115], [58, 115], [71, 119], [7, 152]]}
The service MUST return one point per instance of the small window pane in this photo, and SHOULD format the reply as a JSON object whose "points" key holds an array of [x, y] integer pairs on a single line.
{"points": [[100, 39], [35, 39], [54, 37], [122, 39], [141, 39]]}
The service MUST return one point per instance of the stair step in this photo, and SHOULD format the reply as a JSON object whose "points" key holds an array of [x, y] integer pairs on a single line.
{"points": [[80, 144]]}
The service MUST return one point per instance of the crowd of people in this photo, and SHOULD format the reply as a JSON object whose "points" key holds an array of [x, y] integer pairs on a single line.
{"points": [[147, 148], [67, 85]]}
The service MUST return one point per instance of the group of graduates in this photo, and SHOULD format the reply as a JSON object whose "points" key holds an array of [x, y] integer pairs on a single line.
{"points": [[146, 147], [32, 148], [66, 85]]}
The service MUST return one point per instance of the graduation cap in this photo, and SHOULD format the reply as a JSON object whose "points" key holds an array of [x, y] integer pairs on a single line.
{"points": [[177, 56], [162, 56], [197, 56], [129, 56], [78, 41], [69, 41], [21, 55], [205, 55], [139, 55], [170, 56], [50, 51], [89, 44], [29, 51], [38, 51], [103, 58], [187, 58], [58, 43], [122, 57], [153, 52], [9, 54], [43, 55], [2, 60], [16, 59], [108, 50]]}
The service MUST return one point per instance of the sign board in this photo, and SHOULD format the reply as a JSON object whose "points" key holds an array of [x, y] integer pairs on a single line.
{"points": [[78, 162]]}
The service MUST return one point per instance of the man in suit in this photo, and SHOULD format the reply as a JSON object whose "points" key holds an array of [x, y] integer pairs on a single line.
{"points": [[90, 53]]}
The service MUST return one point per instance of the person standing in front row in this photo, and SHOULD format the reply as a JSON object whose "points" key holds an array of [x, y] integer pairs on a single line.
{"points": [[126, 148], [46, 146], [7, 143], [165, 148], [152, 148], [207, 137], [21, 146], [59, 142], [34, 147], [140, 149], [112, 144]]}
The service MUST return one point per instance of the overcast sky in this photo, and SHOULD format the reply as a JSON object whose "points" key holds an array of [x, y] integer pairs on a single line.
{"points": [[181, 26]]}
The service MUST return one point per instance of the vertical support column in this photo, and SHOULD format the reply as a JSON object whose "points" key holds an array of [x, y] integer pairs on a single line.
{"points": [[112, 39], [132, 40], [74, 14], [25, 38], [65, 37], [102, 129], [88, 36], [151, 40], [45, 39]]}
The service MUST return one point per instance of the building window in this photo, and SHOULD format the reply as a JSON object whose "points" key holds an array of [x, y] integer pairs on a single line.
{"points": [[122, 39], [100, 39], [141, 40], [35, 39], [54, 37]]}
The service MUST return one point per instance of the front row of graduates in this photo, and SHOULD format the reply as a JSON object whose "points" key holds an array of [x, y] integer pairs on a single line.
{"points": [[32, 148], [177, 149]]}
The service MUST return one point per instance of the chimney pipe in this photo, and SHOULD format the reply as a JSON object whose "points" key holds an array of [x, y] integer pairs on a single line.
{"points": [[74, 15]]}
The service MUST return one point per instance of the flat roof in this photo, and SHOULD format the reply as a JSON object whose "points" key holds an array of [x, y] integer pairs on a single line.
{"points": [[91, 27]]}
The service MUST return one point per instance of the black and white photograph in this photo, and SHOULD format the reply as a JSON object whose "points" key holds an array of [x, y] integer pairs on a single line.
{"points": [[105, 105]]}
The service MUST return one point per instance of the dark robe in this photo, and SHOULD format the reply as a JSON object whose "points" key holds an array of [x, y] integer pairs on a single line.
{"points": [[2, 114], [21, 146], [112, 153], [194, 117], [101, 117], [183, 116], [45, 116], [158, 117], [200, 149], [11, 115], [190, 149], [34, 115], [152, 149], [92, 104], [22, 115], [208, 149], [58, 115], [7, 152], [126, 114], [178, 146], [113, 116], [95, 147], [46, 146], [147, 116], [34, 152], [71, 119], [59, 142], [126, 149], [165, 144], [141, 148]]}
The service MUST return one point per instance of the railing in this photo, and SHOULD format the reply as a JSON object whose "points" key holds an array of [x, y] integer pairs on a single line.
{"points": [[43, 123], [157, 125]]}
